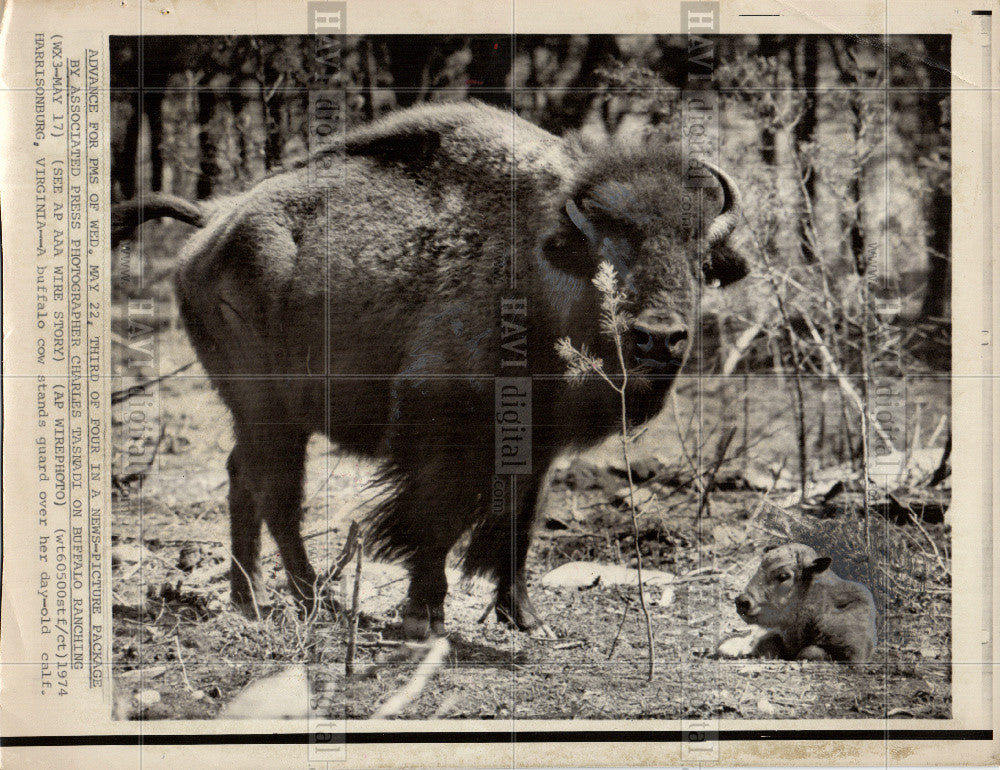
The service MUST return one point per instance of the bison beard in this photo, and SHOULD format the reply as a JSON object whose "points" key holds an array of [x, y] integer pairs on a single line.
{"points": [[368, 309]]}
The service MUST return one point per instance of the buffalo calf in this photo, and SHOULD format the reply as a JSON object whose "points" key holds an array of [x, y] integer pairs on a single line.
{"points": [[805, 610]]}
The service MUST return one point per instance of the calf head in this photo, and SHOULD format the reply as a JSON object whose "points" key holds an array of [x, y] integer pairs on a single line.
{"points": [[774, 593]]}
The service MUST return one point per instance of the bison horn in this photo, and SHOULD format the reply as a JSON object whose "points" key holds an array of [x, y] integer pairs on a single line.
{"points": [[726, 221]]}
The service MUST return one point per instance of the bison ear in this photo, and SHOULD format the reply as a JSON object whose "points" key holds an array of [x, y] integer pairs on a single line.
{"points": [[820, 564], [724, 266], [569, 246]]}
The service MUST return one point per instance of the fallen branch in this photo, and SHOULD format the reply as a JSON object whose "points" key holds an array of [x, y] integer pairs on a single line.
{"points": [[428, 667], [133, 390], [352, 636]]}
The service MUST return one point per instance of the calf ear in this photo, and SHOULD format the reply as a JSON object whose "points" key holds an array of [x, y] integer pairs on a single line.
{"points": [[820, 564]]}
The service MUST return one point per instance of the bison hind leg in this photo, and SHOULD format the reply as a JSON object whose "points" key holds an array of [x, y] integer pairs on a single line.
{"points": [[266, 470]]}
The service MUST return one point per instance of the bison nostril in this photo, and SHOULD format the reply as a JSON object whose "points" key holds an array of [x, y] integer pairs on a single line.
{"points": [[742, 604], [661, 342], [677, 341], [643, 340]]}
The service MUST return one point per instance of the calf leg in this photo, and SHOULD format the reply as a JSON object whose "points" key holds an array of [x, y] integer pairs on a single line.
{"points": [[769, 645], [266, 472], [812, 652]]}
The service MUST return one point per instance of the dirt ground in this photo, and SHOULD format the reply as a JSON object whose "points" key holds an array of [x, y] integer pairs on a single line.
{"points": [[181, 651]]}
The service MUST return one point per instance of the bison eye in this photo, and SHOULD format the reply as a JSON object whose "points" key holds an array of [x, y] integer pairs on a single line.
{"points": [[783, 577]]}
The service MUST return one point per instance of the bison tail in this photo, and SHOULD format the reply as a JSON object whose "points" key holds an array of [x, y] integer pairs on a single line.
{"points": [[128, 215]]}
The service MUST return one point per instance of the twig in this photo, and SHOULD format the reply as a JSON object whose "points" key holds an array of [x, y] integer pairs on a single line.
{"points": [[842, 380], [427, 668], [187, 683], [352, 636], [937, 554], [614, 642], [766, 492], [720, 457], [133, 390], [632, 509], [614, 322], [346, 554]]}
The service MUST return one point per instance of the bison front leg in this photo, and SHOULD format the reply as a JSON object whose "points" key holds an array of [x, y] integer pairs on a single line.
{"points": [[420, 522], [265, 484], [424, 612], [500, 547]]}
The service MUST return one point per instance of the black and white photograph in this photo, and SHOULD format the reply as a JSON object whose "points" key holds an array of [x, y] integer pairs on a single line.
{"points": [[494, 384], [532, 377]]}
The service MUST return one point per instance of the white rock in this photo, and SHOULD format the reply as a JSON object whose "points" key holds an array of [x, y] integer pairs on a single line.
{"points": [[129, 553], [147, 698], [144, 672], [579, 574]]}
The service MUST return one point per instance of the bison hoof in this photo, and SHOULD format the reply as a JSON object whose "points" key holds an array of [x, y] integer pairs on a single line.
{"points": [[250, 609], [521, 614], [249, 601], [419, 624]]}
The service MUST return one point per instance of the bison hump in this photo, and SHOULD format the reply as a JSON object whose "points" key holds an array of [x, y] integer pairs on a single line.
{"points": [[469, 135]]}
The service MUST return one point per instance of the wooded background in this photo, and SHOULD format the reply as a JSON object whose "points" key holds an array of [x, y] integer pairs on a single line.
{"points": [[841, 144]]}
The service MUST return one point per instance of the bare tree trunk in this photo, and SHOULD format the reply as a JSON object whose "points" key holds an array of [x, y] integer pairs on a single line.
{"points": [[771, 47], [805, 128], [938, 212], [209, 151]]}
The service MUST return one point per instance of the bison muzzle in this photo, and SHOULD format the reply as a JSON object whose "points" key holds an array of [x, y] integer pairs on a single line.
{"points": [[369, 308]]}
